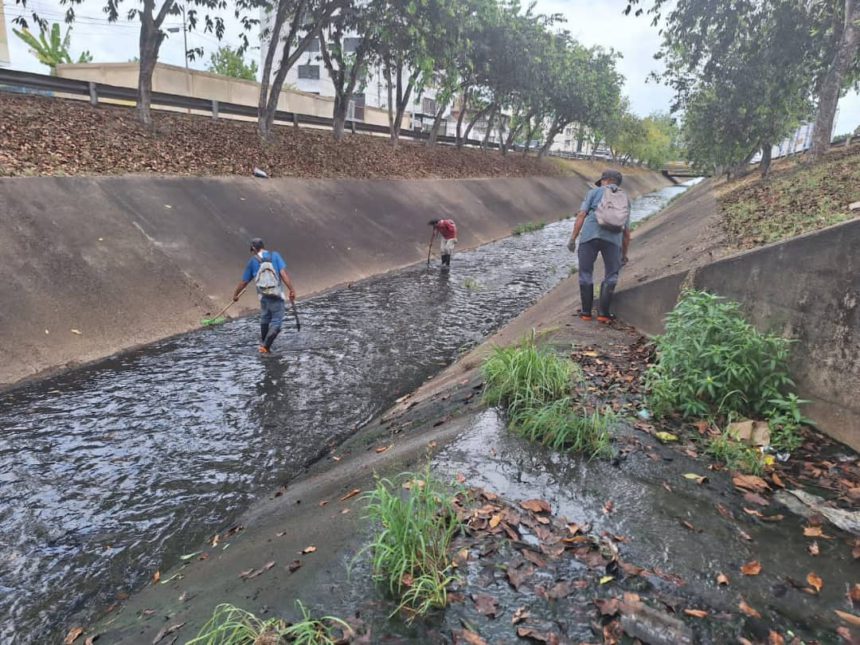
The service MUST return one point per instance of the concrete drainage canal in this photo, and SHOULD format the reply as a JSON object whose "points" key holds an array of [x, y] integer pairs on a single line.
{"points": [[110, 472]]}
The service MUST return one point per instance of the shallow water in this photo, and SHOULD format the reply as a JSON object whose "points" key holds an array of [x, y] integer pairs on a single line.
{"points": [[111, 472]]}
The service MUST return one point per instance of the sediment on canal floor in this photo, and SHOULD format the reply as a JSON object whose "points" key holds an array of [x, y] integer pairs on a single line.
{"points": [[95, 265]]}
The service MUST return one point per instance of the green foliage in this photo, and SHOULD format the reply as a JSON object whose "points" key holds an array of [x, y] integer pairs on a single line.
{"points": [[526, 376], [564, 426], [712, 362], [736, 455], [227, 61], [410, 552], [471, 284], [528, 227], [50, 48], [231, 625]]}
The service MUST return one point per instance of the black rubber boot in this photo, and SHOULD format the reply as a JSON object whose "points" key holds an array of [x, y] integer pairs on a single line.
{"points": [[586, 296], [271, 336], [264, 331], [604, 314], [446, 260]]}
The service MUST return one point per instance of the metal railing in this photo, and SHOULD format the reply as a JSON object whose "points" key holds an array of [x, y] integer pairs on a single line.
{"points": [[96, 91]]}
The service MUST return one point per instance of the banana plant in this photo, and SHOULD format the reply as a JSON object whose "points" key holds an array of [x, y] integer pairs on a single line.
{"points": [[49, 48]]}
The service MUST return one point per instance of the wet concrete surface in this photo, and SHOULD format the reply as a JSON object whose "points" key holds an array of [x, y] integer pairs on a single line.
{"points": [[110, 473]]}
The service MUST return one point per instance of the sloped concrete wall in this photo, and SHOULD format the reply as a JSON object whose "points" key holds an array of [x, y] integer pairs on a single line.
{"points": [[130, 260], [807, 289]]}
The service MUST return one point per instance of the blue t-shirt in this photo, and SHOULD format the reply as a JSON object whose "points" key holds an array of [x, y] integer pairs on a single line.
{"points": [[590, 228], [253, 266]]}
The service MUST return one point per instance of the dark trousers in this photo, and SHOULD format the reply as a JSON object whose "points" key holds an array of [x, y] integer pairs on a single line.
{"points": [[588, 256]]}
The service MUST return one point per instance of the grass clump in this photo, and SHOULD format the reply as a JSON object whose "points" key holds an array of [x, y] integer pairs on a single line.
{"points": [[526, 376], [231, 625], [409, 554], [561, 426], [711, 363], [471, 284], [533, 385], [528, 227]]}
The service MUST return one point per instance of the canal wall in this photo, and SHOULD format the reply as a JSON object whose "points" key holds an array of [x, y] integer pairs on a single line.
{"points": [[806, 288], [94, 265]]}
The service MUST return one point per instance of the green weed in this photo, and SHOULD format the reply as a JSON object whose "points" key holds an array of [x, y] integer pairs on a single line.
{"points": [[573, 270], [231, 625], [563, 426], [526, 376], [528, 227], [471, 284], [736, 455], [712, 363], [409, 554]]}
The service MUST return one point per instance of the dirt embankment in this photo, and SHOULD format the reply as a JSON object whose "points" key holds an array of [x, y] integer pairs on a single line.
{"points": [[49, 136], [125, 261]]}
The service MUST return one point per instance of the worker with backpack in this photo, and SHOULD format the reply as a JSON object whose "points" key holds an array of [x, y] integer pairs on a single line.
{"points": [[269, 272], [603, 222]]}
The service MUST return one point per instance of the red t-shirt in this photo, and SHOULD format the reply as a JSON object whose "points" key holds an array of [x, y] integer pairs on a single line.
{"points": [[447, 228]]}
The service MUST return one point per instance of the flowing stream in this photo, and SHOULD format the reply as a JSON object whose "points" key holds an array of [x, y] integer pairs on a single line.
{"points": [[111, 472]]}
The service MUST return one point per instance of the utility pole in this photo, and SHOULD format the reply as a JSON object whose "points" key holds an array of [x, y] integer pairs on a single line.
{"points": [[184, 35]]}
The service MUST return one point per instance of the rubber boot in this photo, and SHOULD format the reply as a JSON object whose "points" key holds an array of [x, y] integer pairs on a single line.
{"points": [[586, 296], [271, 336], [264, 331], [604, 314], [446, 260]]}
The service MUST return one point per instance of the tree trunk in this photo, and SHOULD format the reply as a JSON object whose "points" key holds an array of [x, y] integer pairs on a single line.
{"points": [[150, 42], [828, 97], [403, 96], [741, 169], [764, 164], [466, 95], [475, 120], [490, 120], [263, 125], [437, 123], [554, 129], [339, 113]]}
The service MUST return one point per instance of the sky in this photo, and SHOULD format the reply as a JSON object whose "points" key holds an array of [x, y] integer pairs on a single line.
{"points": [[592, 22]]}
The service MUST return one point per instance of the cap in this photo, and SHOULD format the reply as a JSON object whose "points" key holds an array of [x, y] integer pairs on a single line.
{"points": [[610, 174]]}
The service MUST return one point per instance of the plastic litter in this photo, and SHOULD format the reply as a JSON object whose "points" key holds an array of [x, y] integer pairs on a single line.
{"points": [[644, 414], [259, 172]]}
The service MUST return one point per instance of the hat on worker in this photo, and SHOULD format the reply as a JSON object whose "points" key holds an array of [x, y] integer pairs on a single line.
{"points": [[610, 174]]}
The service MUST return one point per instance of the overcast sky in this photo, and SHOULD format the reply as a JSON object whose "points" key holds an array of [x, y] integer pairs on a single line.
{"points": [[592, 22]]}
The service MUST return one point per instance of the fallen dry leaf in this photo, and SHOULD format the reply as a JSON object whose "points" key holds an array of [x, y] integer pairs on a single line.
{"points": [[696, 613], [751, 568], [519, 616], [776, 480], [469, 637], [608, 606], [536, 506], [750, 482], [535, 635], [813, 531], [815, 581], [848, 618], [486, 605], [699, 479], [845, 634], [495, 520], [382, 449], [166, 631], [350, 494], [294, 566], [534, 558], [91, 639], [775, 638], [609, 506], [854, 594], [309, 549], [746, 609], [722, 580], [73, 635], [461, 478], [813, 549], [156, 577]]}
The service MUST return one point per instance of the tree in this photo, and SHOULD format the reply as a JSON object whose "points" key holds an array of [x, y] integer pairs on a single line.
{"points": [[297, 23], [152, 35], [227, 61], [826, 57], [51, 50]]}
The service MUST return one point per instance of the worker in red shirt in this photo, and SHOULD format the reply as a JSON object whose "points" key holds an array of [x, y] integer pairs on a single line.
{"points": [[447, 230]]}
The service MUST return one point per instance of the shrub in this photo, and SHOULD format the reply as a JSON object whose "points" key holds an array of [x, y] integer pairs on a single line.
{"points": [[528, 227], [561, 426], [735, 455], [712, 363], [410, 552]]}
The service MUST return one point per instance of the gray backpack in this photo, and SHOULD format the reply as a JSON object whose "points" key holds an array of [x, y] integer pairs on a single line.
{"points": [[613, 210], [267, 280]]}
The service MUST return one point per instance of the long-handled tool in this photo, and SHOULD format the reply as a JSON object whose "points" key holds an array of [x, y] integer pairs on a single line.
{"points": [[296, 316], [218, 318], [430, 248]]}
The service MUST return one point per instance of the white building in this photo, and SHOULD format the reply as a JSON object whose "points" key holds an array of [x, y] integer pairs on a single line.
{"points": [[5, 59], [310, 75]]}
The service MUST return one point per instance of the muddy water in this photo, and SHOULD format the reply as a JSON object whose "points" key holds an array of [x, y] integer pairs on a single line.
{"points": [[110, 473]]}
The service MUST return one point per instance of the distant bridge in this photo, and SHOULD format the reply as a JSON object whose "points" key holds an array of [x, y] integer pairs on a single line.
{"points": [[673, 171]]}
